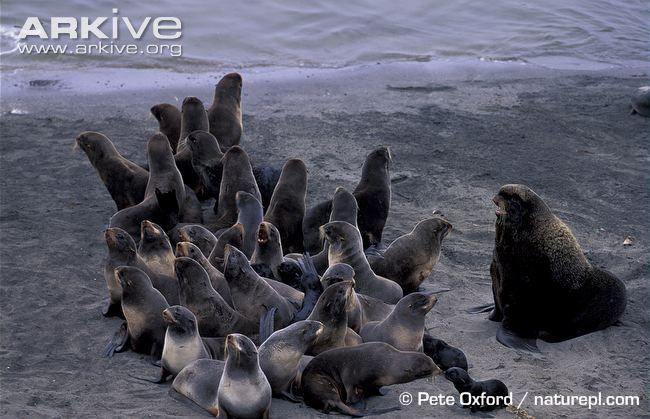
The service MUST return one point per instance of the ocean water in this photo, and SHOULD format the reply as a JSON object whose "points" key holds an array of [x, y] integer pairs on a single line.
{"points": [[577, 34]]}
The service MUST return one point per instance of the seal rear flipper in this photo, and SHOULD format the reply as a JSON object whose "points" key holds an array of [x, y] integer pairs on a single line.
{"points": [[164, 375], [111, 309], [289, 396], [509, 339], [267, 323], [118, 342], [481, 309]]}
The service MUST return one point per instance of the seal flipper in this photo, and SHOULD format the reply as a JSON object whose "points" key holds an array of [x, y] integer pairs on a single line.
{"points": [[111, 309], [267, 324], [481, 309], [311, 286], [119, 341], [373, 250], [509, 339], [164, 375]]}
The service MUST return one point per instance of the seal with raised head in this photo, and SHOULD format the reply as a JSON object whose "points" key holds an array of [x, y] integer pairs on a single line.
{"points": [[225, 114], [233, 236], [169, 122], [198, 235], [193, 118], [218, 281], [253, 296], [480, 390], [536, 260], [125, 181], [214, 316], [155, 249], [206, 160], [346, 247], [410, 259], [267, 259], [331, 311], [237, 176], [280, 356], [249, 214], [163, 173], [404, 326], [341, 377], [142, 306], [287, 208]]}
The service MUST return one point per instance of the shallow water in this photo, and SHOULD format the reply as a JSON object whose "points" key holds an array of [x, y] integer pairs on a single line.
{"points": [[590, 34]]}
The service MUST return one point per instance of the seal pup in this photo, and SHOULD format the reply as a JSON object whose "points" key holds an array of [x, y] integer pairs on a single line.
{"points": [[641, 101], [214, 316], [169, 122], [444, 355], [206, 160], [142, 306], [338, 378], [155, 249], [404, 326], [410, 259], [218, 281], [125, 181], [233, 236], [237, 176], [249, 214], [225, 115], [373, 198], [537, 259], [346, 247], [198, 235], [287, 208], [280, 355], [488, 388], [253, 296], [331, 311]]}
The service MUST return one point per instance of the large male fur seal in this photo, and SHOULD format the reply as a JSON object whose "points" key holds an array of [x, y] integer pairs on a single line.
{"points": [[341, 377], [373, 197], [537, 260], [287, 207], [410, 259], [169, 122], [404, 326], [125, 180], [346, 247], [225, 114]]}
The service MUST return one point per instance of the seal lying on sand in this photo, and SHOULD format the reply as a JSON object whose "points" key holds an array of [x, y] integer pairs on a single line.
{"points": [[538, 260]]}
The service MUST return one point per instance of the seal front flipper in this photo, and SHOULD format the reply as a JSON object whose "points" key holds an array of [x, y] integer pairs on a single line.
{"points": [[511, 340], [266, 324], [311, 286], [111, 309], [119, 341], [481, 309]]}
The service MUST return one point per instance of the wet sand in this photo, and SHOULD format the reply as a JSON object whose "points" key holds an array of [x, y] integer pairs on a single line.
{"points": [[456, 137]]}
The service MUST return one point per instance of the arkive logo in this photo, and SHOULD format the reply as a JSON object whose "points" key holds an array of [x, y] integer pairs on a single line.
{"points": [[164, 27]]}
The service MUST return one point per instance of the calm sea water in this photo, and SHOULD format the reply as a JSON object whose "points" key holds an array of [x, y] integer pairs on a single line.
{"points": [[327, 33]]}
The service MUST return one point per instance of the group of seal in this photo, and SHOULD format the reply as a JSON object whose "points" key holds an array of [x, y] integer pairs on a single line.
{"points": [[255, 296]]}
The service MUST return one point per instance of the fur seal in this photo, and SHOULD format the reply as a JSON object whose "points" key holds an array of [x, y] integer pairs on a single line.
{"points": [[267, 259], [199, 382], [488, 388], [218, 281], [641, 101], [404, 326], [161, 209], [331, 311], [142, 306], [287, 208], [198, 235], [410, 259], [193, 118], [169, 122], [537, 259], [444, 355], [237, 176], [155, 249], [225, 115], [125, 181], [214, 316], [233, 236], [206, 160], [280, 355], [163, 173], [338, 378], [373, 199], [249, 214], [346, 247], [253, 296]]}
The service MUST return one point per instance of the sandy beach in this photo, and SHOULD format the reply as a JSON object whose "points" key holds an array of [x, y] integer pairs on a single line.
{"points": [[456, 136]]}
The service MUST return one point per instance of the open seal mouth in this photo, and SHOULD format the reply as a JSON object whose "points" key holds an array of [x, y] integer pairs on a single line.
{"points": [[262, 235], [500, 211]]}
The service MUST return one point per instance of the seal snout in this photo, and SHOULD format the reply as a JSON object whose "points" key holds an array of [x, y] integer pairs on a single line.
{"points": [[263, 234], [501, 205], [168, 316], [182, 249]]}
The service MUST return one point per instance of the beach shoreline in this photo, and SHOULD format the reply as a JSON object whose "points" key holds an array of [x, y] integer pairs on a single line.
{"points": [[456, 134]]}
